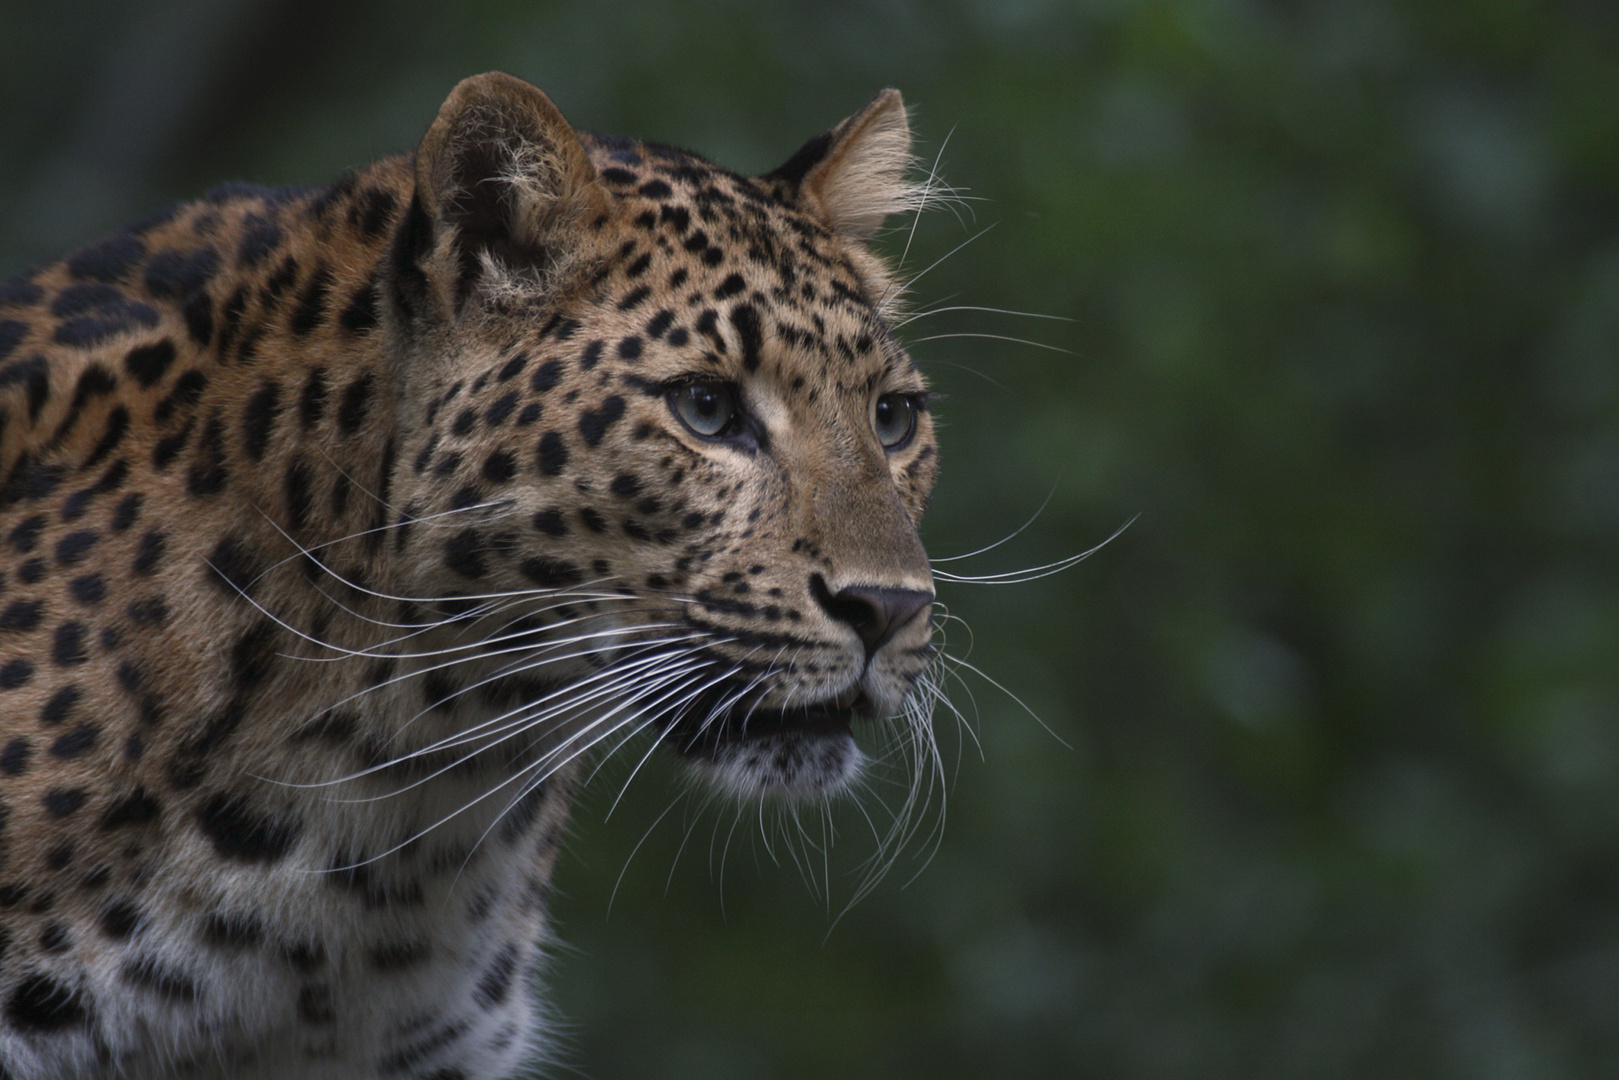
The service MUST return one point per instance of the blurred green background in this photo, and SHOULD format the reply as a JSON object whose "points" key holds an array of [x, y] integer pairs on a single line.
{"points": [[1330, 787]]}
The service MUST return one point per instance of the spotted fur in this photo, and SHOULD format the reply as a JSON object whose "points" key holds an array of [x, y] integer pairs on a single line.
{"points": [[337, 525]]}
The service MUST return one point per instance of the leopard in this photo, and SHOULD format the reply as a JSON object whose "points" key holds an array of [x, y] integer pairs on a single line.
{"points": [[343, 527]]}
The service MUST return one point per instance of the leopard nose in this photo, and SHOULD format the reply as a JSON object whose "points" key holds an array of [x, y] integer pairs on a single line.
{"points": [[872, 611]]}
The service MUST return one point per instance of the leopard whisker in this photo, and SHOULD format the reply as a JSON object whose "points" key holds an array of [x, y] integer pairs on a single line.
{"points": [[754, 682], [725, 852], [706, 682], [675, 711], [1041, 509], [926, 769], [491, 603], [931, 266], [527, 656], [513, 638], [548, 645], [959, 663], [925, 312], [719, 710], [645, 836], [528, 787], [990, 337], [344, 653], [480, 647], [303, 551], [933, 682], [705, 797], [561, 701], [619, 672], [933, 183], [759, 679], [767, 829], [551, 763], [1033, 573]]}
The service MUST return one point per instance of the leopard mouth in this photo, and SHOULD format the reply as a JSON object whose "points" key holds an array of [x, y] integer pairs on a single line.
{"points": [[719, 721]]}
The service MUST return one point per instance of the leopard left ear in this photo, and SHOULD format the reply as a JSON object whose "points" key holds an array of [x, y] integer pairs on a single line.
{"points": [[502, 183], [854, 176]]}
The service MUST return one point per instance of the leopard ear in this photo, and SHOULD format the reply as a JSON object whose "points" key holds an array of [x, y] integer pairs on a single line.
{"points": [[854, 176], [502, 184]]}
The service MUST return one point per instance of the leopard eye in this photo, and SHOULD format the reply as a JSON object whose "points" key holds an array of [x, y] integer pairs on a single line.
{"points": [[894, 418], [708, 409]]}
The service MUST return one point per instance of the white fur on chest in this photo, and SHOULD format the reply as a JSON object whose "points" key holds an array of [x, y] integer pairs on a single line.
{"points": [[333, 962]]}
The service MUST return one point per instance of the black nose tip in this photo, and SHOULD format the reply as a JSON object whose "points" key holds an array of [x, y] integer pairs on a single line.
{"points": [[873, 612]]}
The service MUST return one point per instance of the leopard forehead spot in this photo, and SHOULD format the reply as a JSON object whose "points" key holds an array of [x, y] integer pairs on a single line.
{"points": [[339, 525]]}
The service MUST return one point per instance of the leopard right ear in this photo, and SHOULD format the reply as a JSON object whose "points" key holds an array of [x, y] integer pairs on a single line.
{"points": [[854, 176], [503, 186]]}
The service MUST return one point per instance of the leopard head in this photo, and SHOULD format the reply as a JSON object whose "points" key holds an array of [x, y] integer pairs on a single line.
{"points": [[657, 434]]}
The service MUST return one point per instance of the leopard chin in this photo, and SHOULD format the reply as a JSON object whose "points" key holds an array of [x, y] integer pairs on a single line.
{"points": [[751, 753], [797, 762]]}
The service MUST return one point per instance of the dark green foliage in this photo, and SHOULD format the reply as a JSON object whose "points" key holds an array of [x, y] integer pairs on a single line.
{"points": [[1343, 702]]}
